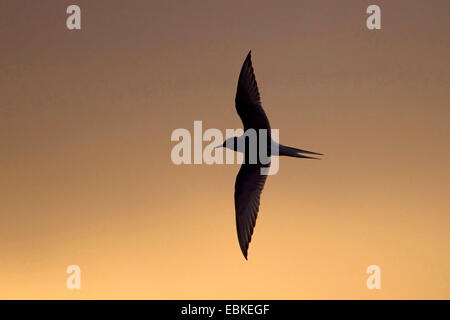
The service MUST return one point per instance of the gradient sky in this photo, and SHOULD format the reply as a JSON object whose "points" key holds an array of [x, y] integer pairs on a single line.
{"points": [[86, 176]]}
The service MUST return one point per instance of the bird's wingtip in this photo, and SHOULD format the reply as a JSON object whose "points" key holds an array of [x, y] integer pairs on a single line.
{"points": [[244, 252]]}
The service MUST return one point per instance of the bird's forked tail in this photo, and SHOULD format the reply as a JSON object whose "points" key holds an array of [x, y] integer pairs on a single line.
{"points": [[294, 152]]}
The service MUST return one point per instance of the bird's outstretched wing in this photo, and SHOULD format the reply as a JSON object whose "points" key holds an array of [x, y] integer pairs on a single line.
{"points": [[247, 192], [249, 181], [248, 102]]}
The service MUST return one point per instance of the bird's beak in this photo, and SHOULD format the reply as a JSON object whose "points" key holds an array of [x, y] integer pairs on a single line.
{"points": [[219, 146]]}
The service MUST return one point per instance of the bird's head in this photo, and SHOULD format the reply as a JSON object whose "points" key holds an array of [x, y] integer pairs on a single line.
{"points": [[230, 143]]}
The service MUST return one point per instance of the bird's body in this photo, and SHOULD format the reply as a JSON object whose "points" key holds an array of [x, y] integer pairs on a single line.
{"points": [[249, 181]]}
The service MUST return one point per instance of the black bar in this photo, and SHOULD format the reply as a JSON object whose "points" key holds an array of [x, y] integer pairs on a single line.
{"points": [[230, 309]]}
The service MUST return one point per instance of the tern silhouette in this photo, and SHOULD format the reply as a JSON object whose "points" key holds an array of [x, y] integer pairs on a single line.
{"points": [[249, 181]]}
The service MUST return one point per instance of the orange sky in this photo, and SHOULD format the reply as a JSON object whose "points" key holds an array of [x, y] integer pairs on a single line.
{"points": [[86, 176]]}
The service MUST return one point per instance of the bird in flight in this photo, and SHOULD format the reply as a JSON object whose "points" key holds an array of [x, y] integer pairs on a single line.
{"points": [[249, 181]]}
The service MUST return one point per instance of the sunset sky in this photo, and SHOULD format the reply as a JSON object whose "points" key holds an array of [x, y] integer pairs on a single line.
{"points": [[86, 176]]}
